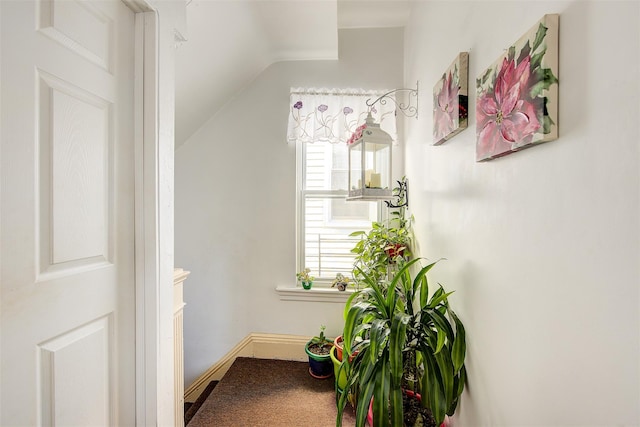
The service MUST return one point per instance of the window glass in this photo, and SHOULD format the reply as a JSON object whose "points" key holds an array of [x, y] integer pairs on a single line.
{"points": [[327, 218]]}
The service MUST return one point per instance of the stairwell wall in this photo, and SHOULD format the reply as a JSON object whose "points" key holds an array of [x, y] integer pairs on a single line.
{"points": [[542, 246]]}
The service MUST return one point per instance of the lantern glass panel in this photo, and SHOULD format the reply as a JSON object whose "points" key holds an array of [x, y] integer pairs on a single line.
{"points": [[377, 164], [356, 179]]}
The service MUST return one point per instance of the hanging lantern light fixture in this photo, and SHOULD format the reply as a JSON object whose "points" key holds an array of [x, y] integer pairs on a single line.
{"points": [[370, 163], [370, 154]]}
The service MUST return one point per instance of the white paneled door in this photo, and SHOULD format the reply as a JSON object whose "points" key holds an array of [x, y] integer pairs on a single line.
{"points": [[67, 213]]}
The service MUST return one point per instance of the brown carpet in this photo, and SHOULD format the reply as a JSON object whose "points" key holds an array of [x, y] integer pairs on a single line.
{"points": [[270, 393], [190, 409]]}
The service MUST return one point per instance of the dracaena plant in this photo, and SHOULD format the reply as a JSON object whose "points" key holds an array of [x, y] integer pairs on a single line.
{"points": [[406, 339]]}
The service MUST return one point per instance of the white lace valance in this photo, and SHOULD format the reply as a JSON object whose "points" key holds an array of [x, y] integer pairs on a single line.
{"points": [[334, 114]]}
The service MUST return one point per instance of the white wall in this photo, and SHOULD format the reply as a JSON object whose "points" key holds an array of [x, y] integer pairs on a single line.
{"points": [[235, 203], [542, 246]]}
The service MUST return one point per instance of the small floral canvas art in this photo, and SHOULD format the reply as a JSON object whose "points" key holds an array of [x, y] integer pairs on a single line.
{"points": [[450, 100], [517, 97]]}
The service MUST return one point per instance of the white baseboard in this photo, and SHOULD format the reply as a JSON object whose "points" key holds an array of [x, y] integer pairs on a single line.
{"points": [[261, 346]]}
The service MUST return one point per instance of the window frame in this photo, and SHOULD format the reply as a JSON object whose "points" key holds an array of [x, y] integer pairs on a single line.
{"points": [[301, 196]]}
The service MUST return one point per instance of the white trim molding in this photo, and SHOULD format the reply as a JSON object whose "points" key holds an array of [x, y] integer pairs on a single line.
{"points": [[288, 293], [155, 22], [147, 328], [258, 345], [179, 276]]}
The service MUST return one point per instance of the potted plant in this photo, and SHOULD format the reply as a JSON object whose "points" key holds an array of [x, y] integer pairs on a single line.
{"points": [[305, 278], [341, 282], [410, 342], [339, 372], [386, 242], [337, 344], [318, 349]]}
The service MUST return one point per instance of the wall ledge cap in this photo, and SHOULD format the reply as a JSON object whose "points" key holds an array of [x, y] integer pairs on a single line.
{"points": [[291, 293]]}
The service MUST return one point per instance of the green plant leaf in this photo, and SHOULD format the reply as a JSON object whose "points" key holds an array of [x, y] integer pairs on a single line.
{"points": [[357, 233], [397, 339], [364, 398], [459, 348], [511, 54], [420, 281], [349, 302], [438, 298], [441, 335], [381, 395], [436, 294], [460, 381], [368, 370], [395, 403], [378, 336], [446, 371], [374, 291], [433, 387], [431, 315], [352, 320], [342, 403], [403, 271]]}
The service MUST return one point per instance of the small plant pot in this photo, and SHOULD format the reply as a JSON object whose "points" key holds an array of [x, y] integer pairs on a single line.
{"points": [[320, 366], [337, 344], [307, 285]]}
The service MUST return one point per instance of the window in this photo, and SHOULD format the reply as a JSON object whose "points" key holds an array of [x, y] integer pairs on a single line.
{"points": [[321, 121], [325, 218]]}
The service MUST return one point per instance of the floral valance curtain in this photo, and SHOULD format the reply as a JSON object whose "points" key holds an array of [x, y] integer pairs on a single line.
{"points": [[334, 114]]}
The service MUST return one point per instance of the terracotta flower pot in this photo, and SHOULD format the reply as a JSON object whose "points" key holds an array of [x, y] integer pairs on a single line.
{"points": [[337, 343]]}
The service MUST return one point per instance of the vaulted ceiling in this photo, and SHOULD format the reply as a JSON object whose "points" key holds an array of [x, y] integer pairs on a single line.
{"points": [[230, 42]]}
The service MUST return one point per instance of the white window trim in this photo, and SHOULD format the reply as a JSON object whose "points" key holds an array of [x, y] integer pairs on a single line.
{"points": [[323, 292], [319, 294]]}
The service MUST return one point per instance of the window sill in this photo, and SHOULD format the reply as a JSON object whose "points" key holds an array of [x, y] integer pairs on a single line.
{"points": [[288, 293]]}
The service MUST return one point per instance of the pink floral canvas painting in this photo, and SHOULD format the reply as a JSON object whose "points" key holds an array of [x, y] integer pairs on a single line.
{"points": [[517, 97], [450, 100]]}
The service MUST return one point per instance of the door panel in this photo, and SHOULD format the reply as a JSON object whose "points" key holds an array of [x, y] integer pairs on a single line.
{"points": [[66, 213], [93, 38], [70, 399], [74, 144]]}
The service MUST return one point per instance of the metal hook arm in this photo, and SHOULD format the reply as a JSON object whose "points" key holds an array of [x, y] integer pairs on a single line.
{"points": [[403, 192], [407, 109]]}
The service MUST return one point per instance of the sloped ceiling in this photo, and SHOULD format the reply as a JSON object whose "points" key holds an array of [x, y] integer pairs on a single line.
{"points": [[230, 42]]}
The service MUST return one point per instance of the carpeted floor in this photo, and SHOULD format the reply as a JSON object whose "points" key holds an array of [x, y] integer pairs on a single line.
{"points": [[270, 393]]}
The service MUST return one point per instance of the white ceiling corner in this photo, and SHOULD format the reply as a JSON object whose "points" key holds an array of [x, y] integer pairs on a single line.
{"points": [[230, 42], [373, 13]]}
